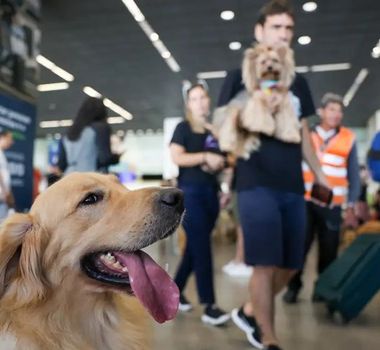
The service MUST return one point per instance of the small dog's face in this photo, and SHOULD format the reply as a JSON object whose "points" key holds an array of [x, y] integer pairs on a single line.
{"points": [[265, 62], [87, 231], [268, 64]]}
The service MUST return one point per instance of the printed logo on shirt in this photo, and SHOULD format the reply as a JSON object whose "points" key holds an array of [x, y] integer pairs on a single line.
{"points": [[211, 143]]}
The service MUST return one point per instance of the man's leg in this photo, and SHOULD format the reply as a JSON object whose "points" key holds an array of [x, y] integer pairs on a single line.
{"points": [[295, 282], [329, 238], [263, 250]]}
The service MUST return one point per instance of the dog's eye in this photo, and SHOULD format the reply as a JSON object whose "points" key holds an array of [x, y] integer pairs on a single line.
{"points": [[92, 198]]}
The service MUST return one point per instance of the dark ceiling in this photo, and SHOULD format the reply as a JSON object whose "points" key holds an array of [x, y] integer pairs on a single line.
{"points": [[101, 44]]}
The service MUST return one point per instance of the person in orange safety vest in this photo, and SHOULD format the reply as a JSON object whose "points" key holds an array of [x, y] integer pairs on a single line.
{"points": [[335, 147]]}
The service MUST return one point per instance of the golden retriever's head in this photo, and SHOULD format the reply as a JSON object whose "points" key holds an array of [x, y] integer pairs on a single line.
{"points": [[264, 62], [87, 231]]}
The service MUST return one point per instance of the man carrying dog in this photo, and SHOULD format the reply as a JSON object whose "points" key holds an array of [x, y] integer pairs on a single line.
{"points": [[270, 194], [336, 149]]}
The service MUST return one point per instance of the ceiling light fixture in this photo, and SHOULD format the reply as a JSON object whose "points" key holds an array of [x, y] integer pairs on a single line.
{"points": [[43, 61], [115, 120], [56, 123], [117, 109], [330, 67], [68, 122], [234, 45], [323, 67], [53, 87], [355, 86], [152, 35], [304, 40], [376, 50], [302, 69], [309, 6], [212, 75], [88, 90], [166, 54], [134, 10], [227, 15]]}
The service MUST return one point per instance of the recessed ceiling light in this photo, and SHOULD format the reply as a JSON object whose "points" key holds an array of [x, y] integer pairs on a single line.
{"points": [[166, 54], [154, 37], [234, 45], [309, 6], [304, 40], [376, 50], [227, 15]]}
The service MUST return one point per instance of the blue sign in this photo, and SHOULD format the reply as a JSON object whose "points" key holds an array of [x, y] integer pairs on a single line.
{"points": [[19, 117]]}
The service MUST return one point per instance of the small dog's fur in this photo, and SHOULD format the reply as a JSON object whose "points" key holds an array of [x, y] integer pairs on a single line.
{"points": [[47, 301], [260, 110]]}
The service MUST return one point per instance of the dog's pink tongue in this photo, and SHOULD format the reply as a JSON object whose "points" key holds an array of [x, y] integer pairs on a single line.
{"points": [[151, 285]]}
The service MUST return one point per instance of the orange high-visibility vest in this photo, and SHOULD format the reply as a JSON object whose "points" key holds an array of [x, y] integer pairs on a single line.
{"points": [[333, 158]]}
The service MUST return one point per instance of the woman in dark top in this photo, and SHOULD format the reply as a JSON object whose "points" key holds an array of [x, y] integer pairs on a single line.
{"points": [[196, 153], [86, 146]]}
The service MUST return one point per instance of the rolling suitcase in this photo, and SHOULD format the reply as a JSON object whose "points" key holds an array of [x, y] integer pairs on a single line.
{"points": [[351, 281]]}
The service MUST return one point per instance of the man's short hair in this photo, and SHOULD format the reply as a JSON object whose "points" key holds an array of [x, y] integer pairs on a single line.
{"points": [[4, 133], [330, 97], [275, 7]]}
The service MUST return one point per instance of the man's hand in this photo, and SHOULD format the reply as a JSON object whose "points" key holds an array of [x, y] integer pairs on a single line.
{"points": [[350, 219], [224, 199], [10, 200]]}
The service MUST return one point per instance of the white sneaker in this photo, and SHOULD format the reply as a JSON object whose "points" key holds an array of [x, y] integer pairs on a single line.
{"points": [[229, 266], [237, 269], [184, 304], [214, 316]]}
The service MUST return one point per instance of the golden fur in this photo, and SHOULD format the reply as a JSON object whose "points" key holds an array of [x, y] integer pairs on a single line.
{"points": [[47, 302], [258, 110]]}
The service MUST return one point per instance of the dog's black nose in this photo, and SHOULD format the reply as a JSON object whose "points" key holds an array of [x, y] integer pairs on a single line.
{"points": [[172, 197], [270, 68]]}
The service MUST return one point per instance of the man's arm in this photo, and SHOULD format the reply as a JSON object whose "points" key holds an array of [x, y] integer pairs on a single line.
{"points": [[310, 156], [353, 176]]}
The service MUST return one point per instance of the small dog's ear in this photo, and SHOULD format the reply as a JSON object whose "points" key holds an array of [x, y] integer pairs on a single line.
{"points": [[21, 276], [287, 58], [249, 69]]}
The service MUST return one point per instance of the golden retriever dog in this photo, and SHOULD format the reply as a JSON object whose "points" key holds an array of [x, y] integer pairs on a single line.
{"points": [[266, 107], [72, 272]]}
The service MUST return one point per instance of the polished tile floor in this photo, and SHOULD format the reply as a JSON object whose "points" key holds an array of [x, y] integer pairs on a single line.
{"points": [[304, 326]]}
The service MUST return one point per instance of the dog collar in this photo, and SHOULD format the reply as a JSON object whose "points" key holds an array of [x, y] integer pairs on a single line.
{"points": [[268, 84]]}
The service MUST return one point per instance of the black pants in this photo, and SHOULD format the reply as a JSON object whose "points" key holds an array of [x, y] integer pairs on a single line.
{"points": [[202, 208], [325, 224]]}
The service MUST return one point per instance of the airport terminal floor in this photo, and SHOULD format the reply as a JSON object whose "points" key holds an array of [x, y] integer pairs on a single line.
{"points": [[301, 326]]}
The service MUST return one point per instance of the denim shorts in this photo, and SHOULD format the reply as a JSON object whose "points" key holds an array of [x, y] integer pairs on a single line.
{"points": [[273, 223]]}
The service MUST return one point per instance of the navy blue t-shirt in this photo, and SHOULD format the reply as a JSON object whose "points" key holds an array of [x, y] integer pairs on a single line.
{"points": [[276, 164], [193, 143]]}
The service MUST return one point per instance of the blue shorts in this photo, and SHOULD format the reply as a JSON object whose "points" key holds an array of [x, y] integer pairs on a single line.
{"points": [[273, 225]]}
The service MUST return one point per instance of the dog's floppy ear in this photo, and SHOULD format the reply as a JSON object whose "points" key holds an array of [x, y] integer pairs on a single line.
{"points": [[21, 243], [287, 58], [249, 69]]}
